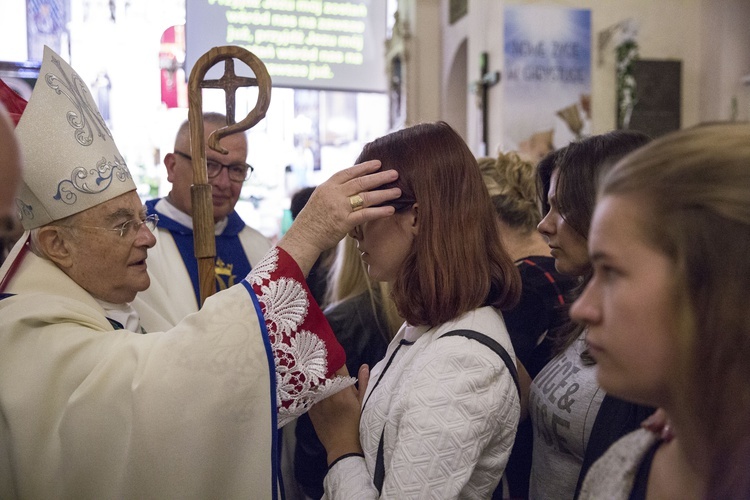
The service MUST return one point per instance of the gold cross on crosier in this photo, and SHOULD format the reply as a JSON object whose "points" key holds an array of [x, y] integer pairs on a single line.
{"points": [[229, 82]]}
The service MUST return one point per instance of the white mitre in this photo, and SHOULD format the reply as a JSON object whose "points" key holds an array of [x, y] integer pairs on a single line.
{"points": [[71, 162]]}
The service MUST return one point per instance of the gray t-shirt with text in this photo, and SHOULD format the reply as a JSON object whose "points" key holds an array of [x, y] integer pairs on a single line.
{"points": [[564, 401]]}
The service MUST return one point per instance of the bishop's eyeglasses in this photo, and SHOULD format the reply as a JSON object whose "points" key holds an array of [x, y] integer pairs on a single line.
{"points": [[238, 172], [128, 229]]}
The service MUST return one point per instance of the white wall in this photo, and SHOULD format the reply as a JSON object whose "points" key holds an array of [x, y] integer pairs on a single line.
{"points": [[454, 97], [423, 59], [13, 27], [725, 55], [711, 38]]}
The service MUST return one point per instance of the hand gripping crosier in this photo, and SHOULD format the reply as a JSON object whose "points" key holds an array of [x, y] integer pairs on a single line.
{"points": [[203, 221]]}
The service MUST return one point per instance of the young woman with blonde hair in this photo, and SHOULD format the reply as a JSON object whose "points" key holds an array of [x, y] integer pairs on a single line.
{"points": [[667, 313]]}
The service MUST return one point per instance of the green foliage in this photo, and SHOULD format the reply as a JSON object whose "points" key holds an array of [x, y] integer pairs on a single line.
{"points": [[627, 54]]}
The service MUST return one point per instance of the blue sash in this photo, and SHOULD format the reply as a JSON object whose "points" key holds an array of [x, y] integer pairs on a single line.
{"points": [[231, 261]]}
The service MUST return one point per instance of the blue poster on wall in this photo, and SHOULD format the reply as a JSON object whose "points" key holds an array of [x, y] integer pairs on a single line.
{"points": [[547, 78]]}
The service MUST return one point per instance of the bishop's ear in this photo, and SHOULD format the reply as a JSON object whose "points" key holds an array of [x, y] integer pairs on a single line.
{"points": [[55, 243]]}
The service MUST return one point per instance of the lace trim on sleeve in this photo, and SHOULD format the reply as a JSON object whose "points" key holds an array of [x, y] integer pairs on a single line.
{"points": [[301, 356]]}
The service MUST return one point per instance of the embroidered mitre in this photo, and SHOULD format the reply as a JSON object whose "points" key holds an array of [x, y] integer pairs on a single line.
{"points": [[71, 162]]}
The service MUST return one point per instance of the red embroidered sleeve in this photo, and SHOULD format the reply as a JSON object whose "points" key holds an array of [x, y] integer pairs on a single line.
{"points": [[305, 350]]}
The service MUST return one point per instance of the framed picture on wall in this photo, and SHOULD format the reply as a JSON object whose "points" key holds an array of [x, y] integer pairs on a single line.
{"points": [[658, 96]]}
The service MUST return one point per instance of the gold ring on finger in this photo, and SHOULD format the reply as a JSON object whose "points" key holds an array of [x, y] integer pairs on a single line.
{"points": [[357, 202]]}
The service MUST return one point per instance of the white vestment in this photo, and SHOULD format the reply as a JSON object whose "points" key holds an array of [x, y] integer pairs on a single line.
{"points": [[90, 412]]}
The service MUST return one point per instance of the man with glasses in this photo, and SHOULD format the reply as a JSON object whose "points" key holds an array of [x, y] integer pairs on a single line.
{"points": [[174, 292], [91, 407]]}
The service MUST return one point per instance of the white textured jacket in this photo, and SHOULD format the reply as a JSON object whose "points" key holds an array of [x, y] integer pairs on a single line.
{"points": [[450, 410]]}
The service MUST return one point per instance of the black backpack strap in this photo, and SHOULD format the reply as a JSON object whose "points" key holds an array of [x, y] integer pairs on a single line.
{"points": [[492, 344], [379, 475]]}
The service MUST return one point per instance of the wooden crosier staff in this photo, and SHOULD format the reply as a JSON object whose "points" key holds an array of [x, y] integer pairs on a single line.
{"points": [[200, 192]]}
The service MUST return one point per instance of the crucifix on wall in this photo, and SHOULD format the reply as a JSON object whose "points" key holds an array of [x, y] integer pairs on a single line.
{"points": [[487, 79]]}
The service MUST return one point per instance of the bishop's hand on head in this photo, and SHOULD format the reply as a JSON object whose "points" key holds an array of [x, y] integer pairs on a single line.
{"points": [[329, 214]]}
